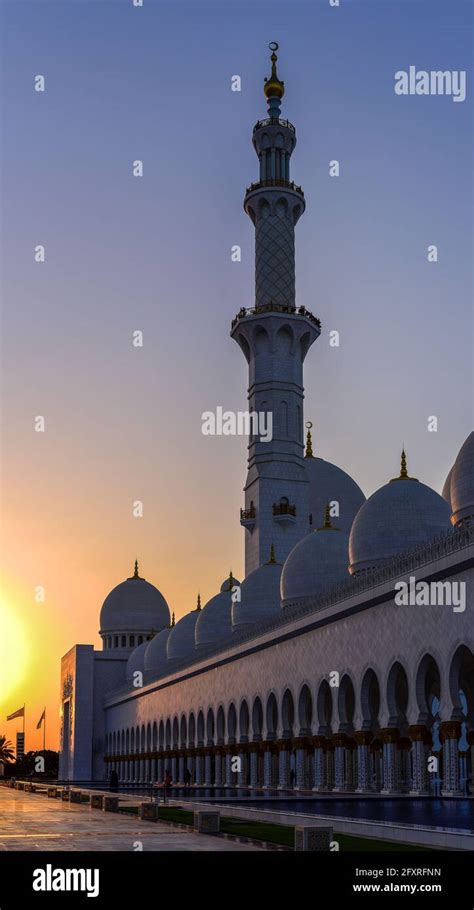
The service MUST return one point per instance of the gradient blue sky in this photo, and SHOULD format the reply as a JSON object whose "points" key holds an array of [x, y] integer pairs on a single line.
{"points": [[154, 254]]}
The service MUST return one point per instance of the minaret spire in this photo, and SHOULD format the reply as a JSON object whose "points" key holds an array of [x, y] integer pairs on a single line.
{"points": [[274, 88], [309, 441]]}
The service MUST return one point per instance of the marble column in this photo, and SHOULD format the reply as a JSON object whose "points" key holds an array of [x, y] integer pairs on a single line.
{"points": [[320, 765], [363, 739], [375, 752], [181, 767], [218, 769], [339, 742], [390, 760], [268, 783], [254, 768], [174, 768], [420, 738], [207, 770], [199, 769], [284, 766], [229, 781], [242, 774], [300, 764], [450, 732], [160, 770], [470, 739]]}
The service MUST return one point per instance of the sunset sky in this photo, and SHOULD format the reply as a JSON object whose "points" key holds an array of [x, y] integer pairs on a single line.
{"points": [[153, 253]]}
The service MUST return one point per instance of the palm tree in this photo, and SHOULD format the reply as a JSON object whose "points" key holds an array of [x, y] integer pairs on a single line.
{"points": [[6, 749]]}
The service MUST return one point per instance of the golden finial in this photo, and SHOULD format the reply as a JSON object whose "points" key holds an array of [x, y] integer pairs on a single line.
{"points": [[172, 620], [231, 581], [198, 606], [274, 87], [327, 526], [135, 572], [272, 559], [404, 475], [403, 466], [309, 441]]}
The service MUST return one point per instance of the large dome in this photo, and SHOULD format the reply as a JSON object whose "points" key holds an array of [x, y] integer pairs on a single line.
{"points": [[328, 483], [399, 516], [134, 606], [446, 491], [259, 597], [215, 623], [156, 657], [315, 564], [462, 484]]}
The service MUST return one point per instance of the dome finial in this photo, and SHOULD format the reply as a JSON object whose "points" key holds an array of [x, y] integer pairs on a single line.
{"points": [[172, 620], [272, 559], [274, 88], [309, 441], [231, 581], [404, 475], [327, 517], [135, 571], [198, 605], [403, 464]]}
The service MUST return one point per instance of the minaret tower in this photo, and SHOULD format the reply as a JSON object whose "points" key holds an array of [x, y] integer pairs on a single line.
{"points": [[275, 337]]}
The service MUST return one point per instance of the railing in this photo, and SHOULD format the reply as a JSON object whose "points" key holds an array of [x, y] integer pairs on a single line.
{"points": [[274, 121], [275, 308], [287, 184], [283, 508], [247, 514]]}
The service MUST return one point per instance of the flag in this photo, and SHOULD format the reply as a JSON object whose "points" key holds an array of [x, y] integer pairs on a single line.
{"points": [[19, 713], [42, 718]]}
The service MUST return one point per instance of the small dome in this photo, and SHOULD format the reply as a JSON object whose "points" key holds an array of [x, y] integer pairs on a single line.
{"points": [[180, 643], [259, 597], [462, 484], [446, 491], [214, 623], [136, 661], [155, 655], [328, 483], [134, 606], [315, 564], [229, 583], [399, 516]]}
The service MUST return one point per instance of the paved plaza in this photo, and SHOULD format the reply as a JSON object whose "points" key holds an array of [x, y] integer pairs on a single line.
{"points": [[31, 821]]}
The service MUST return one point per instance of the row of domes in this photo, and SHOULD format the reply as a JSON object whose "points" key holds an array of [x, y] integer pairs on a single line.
{"points": [[399, 516]]}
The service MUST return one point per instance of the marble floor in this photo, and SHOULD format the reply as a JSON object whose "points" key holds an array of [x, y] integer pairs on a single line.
{"points": [[31, 821]]}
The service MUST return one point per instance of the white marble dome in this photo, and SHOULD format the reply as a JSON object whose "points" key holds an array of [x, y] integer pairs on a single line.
{"points": [[462, 484], [134, 606], [215, 622], [259, 597], [156, 657], [315, 564], [328, 483], [136, 661], [399, 516], [180, 642]]}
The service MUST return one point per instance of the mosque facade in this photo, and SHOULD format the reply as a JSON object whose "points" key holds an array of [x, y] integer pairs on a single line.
{"points": [[318, 671]]}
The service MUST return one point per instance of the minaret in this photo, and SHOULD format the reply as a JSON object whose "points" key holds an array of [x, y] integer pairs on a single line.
{"points": [[275, 337]]}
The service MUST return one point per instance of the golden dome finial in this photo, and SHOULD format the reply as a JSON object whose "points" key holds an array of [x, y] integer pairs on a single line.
{"points": [[309, 441], [135, 571], [403, 465], [404, 475], [272, 559], [173, 623], [327, 517], [198, 606], [274, 87]]}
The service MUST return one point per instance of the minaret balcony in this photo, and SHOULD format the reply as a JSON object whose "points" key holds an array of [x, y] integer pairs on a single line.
{"points": [[287, 184], [275, 308], [248, 517], [284, 512], [274, 121]]}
